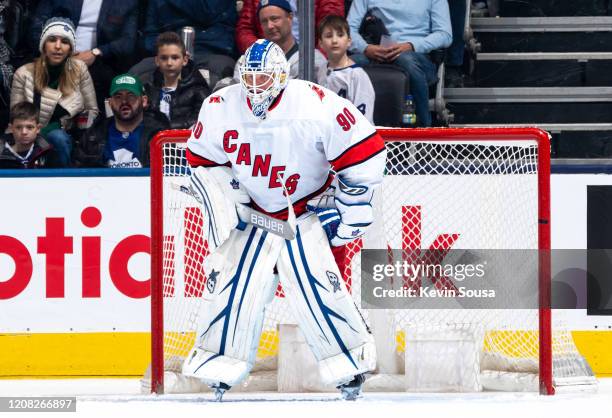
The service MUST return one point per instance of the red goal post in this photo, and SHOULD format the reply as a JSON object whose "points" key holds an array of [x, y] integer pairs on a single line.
{"points": [[437, 135]]}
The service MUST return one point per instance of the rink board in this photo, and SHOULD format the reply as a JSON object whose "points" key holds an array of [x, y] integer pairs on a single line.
{"points": [[93, 319]]}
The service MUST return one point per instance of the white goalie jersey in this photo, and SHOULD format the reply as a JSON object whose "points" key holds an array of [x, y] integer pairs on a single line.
{"points": [[309, 134]]}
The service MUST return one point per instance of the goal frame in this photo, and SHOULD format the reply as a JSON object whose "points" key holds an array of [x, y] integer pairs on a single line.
{"points": [[396, 134]]}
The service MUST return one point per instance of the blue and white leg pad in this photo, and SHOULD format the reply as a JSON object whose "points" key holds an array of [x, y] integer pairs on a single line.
{"points": [[214, 369], [323, 308], [239, 284]]}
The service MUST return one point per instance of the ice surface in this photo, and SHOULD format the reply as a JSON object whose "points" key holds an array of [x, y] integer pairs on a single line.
{"points": [[117, 398]]}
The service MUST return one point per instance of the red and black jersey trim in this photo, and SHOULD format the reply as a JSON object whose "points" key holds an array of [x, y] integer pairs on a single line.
{"points": [[196, 160], [299, 207], [358, 153]]}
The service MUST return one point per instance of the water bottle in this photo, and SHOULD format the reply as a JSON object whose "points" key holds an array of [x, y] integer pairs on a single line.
{"points": [[408, 113]]}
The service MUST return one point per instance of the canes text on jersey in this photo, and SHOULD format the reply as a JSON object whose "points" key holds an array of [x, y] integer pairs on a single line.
{"points": [[260, 163]]}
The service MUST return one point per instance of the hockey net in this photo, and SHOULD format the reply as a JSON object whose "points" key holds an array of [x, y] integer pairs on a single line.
{"points": [[443, 189]]}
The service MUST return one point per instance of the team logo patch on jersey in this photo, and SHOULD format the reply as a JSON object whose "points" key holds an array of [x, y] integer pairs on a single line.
{"points": [[211, 282], [333, 280], [319, 92], [215, 99], [235, 184]]}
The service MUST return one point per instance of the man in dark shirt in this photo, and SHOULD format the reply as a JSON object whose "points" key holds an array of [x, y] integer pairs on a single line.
{"points": [[123, 140]]}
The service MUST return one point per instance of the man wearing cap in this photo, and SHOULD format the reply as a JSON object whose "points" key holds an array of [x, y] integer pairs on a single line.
{"points": [[249, 29], [121, 141]]}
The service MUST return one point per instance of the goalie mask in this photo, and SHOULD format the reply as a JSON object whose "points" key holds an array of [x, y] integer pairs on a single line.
{"points": [[264, 73]]}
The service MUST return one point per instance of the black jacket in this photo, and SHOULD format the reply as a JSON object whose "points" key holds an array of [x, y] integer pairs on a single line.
{"points": [[37, 159], [89, 148], [115, 32], [191, 91]]}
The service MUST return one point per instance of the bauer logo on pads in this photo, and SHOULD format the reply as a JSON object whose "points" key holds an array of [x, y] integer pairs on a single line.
{"points": [[284, 229]]}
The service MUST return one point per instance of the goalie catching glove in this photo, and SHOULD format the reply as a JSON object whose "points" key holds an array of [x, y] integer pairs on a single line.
{"points": [[350, 218]]}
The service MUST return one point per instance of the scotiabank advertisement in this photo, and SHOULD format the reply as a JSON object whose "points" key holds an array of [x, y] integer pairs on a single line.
{"points": [[74, 254]]}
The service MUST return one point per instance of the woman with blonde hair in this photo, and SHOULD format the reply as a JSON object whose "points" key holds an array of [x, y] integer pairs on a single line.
{"points": [[59, 85]]}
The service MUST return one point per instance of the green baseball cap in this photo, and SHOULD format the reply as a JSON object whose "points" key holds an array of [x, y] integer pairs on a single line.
{"points": [[126, 82]]}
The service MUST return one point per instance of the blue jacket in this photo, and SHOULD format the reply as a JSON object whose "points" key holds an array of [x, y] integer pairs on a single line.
{"points": [[213, 20], [117, 24]]}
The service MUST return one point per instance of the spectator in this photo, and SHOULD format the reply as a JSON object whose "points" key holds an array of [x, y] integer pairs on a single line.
{"points": [[59, 85], [18, 20], [454, 57], [213, 21], [416, 27], [177, 89], [23, 147], [6, 70], [344, 77], [276, 18], [105, 35], [249, 29], [121, 141]]}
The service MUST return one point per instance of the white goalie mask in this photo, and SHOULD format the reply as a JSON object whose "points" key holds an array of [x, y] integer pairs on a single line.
{"points": [[264, 73]]}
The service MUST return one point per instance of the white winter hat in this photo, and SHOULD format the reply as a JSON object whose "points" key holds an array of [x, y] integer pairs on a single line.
{"points": [[58, 26]]}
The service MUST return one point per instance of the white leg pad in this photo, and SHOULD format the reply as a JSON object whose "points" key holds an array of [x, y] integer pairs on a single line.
{"points": [[213, 368], [326, 313], [239, 284], [338, 369]]}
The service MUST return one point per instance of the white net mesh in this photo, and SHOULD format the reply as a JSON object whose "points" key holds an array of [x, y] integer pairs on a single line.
{"points": [[437, 194]]}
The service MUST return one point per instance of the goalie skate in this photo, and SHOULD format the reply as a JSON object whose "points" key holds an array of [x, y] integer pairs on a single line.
{"points": [[352, 390], [220, 390]]}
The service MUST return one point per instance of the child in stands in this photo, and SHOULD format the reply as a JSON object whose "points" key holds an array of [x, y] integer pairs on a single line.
{"points": [[178, 89], [344, 77], [23, 147]]}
